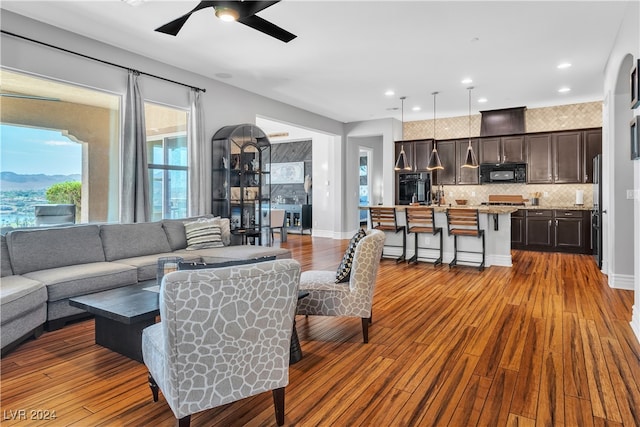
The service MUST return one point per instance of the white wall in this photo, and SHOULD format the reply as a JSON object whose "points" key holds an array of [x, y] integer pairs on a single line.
{"points": [[222, 104], [620, 173]]}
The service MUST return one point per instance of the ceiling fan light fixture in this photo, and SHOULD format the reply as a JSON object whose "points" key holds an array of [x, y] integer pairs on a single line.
{"points": [[226, 14]]}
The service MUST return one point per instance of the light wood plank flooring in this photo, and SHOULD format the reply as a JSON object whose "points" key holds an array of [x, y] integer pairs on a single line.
{"points": [[546, 342]]}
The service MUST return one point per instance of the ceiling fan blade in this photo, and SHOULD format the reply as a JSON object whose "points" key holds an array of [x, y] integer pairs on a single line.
{"points": [[267, 27], [173, 28]]}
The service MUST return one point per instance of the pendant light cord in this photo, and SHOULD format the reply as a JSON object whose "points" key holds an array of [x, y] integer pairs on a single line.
{"points": [[470, 88]]}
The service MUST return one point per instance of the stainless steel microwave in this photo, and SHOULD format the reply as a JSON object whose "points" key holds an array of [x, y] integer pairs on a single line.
{"points": [[501, 173]]}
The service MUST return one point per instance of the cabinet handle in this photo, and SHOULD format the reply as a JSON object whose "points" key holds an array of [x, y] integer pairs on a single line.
{"points": [[556, 222], [568, 214]]}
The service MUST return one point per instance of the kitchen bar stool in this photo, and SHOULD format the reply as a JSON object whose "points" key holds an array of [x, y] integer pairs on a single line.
{"points": [[464, 222], [384, 219], [420, 220]]}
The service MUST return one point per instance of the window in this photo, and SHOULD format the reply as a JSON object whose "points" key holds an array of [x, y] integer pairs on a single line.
{"points": [[167, 160], [52, 133]]}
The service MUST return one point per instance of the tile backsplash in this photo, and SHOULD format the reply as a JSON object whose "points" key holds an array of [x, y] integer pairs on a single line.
{"points": [[557, 195]]}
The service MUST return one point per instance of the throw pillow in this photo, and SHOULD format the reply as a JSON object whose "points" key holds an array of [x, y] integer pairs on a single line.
{"points": [[203, 233], [344, 270], [225, 230]]}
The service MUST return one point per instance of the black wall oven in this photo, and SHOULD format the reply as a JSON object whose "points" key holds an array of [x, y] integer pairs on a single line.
{"points": [[414, 183]]}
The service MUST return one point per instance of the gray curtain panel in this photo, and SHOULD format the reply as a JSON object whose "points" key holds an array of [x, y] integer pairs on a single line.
{"points": [[134, 204], [195, 148]]}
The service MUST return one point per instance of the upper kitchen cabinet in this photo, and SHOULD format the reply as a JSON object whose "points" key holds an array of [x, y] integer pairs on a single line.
{"points": [[592, 143], [567, 157], [447, 153], [539, 149], [506, 149], [417, 152], [466, 175]]}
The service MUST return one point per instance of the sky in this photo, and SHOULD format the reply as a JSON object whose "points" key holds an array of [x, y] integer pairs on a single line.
{"points": [[25, 150]]}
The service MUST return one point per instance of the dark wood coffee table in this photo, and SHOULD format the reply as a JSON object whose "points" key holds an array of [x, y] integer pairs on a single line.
{"points": [[121, 314]]}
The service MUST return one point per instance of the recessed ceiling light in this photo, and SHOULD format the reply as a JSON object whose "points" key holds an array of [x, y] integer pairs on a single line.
{"points": [[466, 81], [482, 100], [416, 108], [564, 89], [564, 65], [389, 93]]}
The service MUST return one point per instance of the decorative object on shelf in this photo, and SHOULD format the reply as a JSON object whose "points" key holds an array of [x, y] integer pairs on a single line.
{"points": [[470, 161], [402, 163], [434, 159], [307, 186]]}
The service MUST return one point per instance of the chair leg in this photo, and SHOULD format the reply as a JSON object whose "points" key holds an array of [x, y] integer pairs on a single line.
{"points": [[414, 258], [184, 421], [365, 329], [404, 247], [481, 267], [439, 260], [278, 403], [455, 252], [154, 388]]}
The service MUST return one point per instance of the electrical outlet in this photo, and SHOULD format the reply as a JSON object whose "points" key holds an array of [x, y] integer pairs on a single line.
{"points": [[450, 193], [473, 194], [546, 194]]}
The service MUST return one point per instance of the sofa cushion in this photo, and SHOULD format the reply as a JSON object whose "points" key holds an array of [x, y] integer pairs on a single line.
{"points": [[174, 229], [133, 240], [237, 252], [43, 249], [19, 295], [203, 233], [5, 261], [66, 282], [147, 265]]}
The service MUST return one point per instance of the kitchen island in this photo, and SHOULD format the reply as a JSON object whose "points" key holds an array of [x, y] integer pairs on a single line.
{"points": [[494, 220]]}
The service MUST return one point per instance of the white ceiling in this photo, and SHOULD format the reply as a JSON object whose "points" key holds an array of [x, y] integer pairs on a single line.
{"points": [[348, 53]]}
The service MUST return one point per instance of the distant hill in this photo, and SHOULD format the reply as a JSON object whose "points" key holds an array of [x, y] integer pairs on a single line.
{"points": [[13, 181]]}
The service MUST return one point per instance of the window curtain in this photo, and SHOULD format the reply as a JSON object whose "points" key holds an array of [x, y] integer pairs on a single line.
{"points": [[195, 150], [135, 174]]}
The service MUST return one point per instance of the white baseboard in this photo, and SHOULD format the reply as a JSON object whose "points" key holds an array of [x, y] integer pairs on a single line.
{"points": [[635, 322], [621, 281]]}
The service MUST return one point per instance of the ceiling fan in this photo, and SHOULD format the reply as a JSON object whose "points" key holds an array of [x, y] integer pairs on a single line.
{"points": [[241, 11]]}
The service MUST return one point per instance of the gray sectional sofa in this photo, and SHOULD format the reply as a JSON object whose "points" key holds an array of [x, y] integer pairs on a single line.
{"points": [[42, 268]]}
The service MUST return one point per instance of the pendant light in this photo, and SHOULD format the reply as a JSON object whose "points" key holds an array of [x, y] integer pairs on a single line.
{"points": [[402, 163], [470, 161], [434, 159]]}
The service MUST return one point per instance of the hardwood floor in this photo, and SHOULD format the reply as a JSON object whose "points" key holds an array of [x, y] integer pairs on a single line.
{"points": [[545, 342]]}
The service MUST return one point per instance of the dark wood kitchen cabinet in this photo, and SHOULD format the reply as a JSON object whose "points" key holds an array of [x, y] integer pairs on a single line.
{"points": [[466, 175], [567, 157], [539, 153], [447, 153], [417, 152], [549, 230], [592, 143], [518, 229], [506, 149], [538, 226], [571, 230]]}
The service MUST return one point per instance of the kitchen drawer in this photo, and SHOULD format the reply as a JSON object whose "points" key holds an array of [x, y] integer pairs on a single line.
{"points": [[540, 213], [566, 213]]}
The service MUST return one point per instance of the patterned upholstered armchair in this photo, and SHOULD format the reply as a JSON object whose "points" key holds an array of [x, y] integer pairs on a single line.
{"points": [[224, 336], [352, 298]]}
